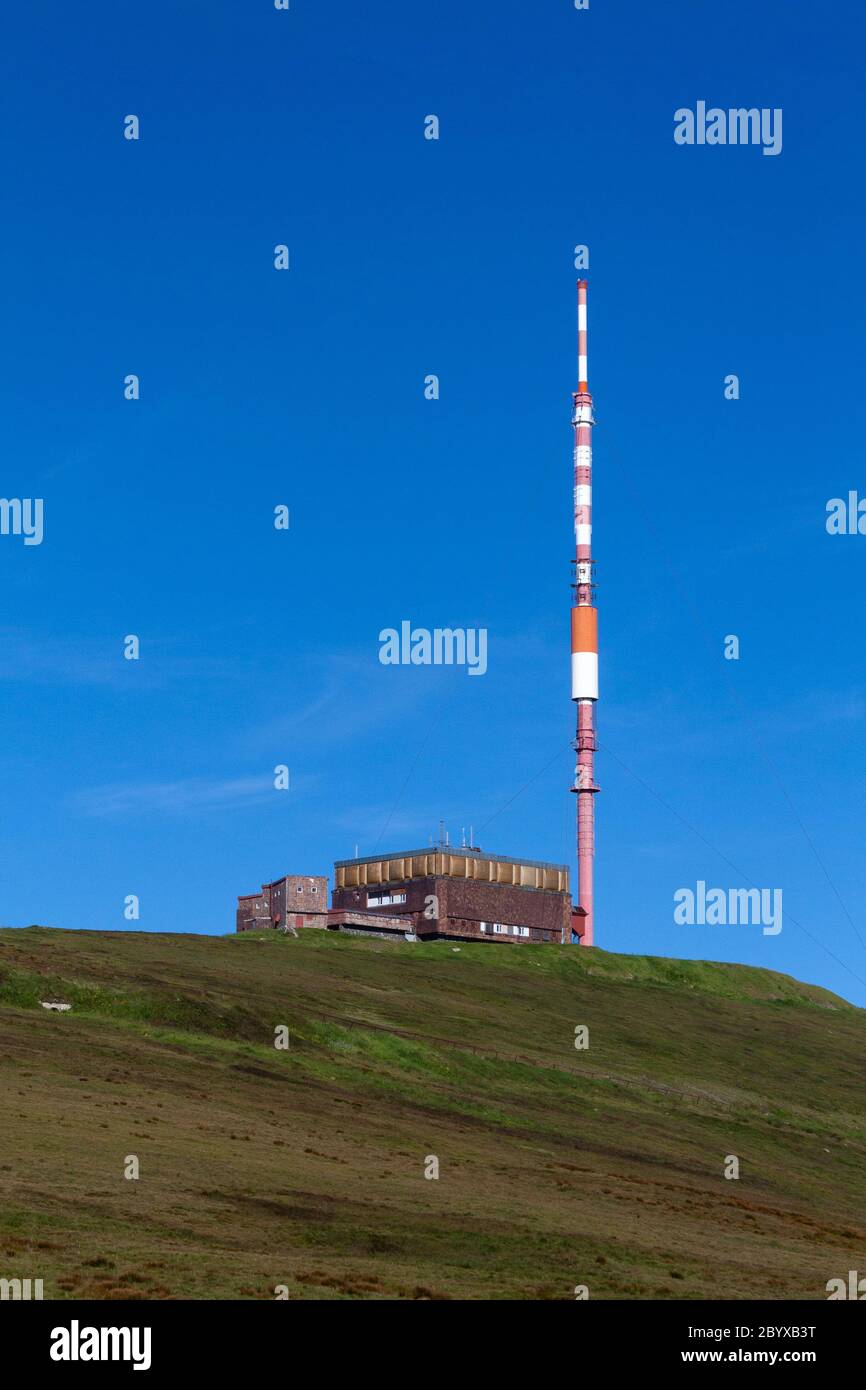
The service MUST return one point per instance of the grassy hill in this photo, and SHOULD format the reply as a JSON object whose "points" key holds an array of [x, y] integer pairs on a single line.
{"points": [[305, 1167]]}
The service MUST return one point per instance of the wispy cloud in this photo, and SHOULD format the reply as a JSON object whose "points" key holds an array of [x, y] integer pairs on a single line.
{"points": [[356, 695], [49, 660], [178, 797], [674, 728]]}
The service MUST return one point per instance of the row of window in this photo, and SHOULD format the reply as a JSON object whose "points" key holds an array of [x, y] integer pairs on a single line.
{"points": [[384, 899], [503, 929]]}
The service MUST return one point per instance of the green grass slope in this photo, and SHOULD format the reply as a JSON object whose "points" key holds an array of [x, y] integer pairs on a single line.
{"points": [[305, 1167]]}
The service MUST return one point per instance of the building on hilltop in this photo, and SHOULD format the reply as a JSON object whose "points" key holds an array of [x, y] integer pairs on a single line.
{"points": [[450, 892], [431, 894], [283, 902]]}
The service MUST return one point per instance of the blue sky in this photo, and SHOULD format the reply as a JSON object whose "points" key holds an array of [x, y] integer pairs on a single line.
{"points": [[305, 387]]}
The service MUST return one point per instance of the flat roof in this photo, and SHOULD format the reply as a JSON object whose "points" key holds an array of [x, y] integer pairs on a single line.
{"points": [[447, 849]]}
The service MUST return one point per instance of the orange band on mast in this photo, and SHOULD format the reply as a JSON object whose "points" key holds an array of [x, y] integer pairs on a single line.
{"points": [[584, 629]]}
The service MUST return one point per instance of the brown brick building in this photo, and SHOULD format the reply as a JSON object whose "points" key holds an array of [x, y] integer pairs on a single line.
{"points": [[433, 894], [285, 902], [463, 893]]}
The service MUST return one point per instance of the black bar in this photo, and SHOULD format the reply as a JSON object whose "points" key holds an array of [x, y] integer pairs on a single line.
{"points": [[230, 1339]]}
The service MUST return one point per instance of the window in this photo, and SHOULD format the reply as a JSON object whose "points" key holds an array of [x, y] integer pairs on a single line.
{"points": [[504, 929], [384, 899]]}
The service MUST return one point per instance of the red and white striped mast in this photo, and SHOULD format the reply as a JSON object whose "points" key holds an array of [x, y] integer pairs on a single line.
{"points": [[584, 628]]}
